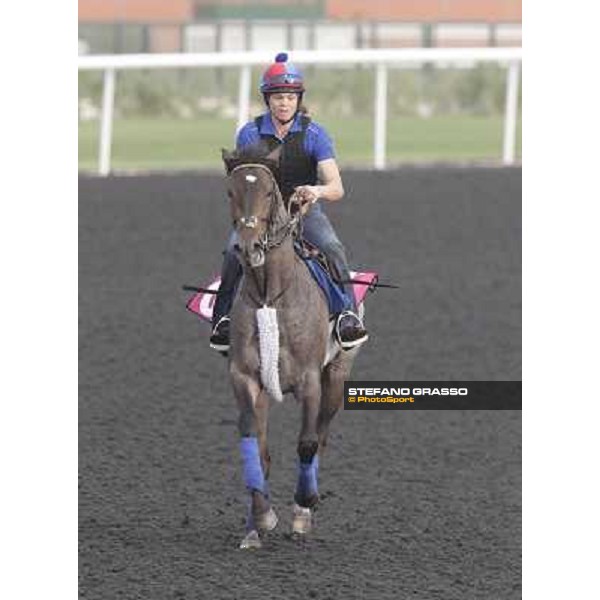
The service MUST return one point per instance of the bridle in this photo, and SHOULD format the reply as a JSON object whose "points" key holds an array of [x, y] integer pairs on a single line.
{"points": [[274, 235]]}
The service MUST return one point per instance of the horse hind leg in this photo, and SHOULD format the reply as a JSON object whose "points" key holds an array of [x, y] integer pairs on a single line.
{"points": [[332, 396]]}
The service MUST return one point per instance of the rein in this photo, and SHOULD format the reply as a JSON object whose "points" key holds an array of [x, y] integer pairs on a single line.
{"points": [[272, 238]]}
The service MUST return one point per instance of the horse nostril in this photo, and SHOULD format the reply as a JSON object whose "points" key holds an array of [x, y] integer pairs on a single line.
{"points": [[256, 246]]}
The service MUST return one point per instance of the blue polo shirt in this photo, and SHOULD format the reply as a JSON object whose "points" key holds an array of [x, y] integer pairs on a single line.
{"points": [[317, 142]]}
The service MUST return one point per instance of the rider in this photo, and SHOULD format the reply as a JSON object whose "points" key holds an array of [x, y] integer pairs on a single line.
{"points": [[309, 169]]}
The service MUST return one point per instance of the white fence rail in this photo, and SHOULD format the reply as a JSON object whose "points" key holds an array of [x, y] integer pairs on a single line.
{"points": [[381, 59]]}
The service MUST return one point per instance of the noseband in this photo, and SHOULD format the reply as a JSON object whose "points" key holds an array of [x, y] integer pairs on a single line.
{"points": [[273, 236]]}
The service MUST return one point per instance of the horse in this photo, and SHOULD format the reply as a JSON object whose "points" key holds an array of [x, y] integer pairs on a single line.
{"points": [[281, 341]]}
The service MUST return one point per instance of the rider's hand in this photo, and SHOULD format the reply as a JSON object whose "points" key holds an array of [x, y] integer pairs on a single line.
{"points": [[308, 195]]}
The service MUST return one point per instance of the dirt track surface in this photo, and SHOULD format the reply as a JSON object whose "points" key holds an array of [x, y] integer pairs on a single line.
{"points": [[419, 505]]}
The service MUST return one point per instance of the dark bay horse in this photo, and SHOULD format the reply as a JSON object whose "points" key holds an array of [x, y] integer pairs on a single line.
{"points": [[280, 340]]}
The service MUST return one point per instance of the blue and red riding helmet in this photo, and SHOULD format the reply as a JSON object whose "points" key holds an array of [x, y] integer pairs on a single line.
{"points": [[282, 76]]}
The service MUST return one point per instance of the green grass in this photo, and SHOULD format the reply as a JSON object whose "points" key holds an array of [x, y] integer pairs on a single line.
{"points": [[187, 144]]}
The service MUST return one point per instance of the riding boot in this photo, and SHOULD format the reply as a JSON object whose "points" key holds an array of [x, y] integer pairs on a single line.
{"points": [[231, 273], [318, 231], [349, 327]]}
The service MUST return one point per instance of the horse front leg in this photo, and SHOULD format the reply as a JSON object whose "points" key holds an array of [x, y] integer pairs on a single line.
{"points": [[252, 425], [307, 493]]}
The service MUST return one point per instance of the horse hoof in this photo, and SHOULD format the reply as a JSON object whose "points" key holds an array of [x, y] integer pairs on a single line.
{"points": [[251, 541], [267, 521], [302, 522]]}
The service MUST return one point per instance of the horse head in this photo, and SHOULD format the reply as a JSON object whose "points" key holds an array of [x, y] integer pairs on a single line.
{"points": [[259, 216]]}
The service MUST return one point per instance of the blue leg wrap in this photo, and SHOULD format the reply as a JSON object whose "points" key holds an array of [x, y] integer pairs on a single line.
{"points": [[253, 473], [308, 474]]}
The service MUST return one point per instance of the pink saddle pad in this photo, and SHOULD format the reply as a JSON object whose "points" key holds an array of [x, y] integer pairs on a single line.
{"points": [[201, 303]]}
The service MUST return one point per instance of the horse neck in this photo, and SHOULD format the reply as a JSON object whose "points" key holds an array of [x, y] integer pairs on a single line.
{"points": [[269, 282]]}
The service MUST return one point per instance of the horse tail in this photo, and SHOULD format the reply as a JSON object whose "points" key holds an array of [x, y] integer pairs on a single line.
{"points": [[268, 343]]}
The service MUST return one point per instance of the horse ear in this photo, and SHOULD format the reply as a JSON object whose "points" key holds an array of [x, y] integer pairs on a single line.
{"points": [[227, 158]]}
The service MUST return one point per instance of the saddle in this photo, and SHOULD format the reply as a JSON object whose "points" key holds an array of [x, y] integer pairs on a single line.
{"points": [[201, 302], [326, 276]]}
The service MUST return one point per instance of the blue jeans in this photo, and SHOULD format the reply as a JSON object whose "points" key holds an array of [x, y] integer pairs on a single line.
{"points": [[316, 229]]}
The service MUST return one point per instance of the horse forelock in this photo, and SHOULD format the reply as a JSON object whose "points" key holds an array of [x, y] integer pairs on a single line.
{"points": [[250, 157]]}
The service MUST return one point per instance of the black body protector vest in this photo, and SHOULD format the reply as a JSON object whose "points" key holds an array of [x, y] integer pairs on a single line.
{"points": [[296, 167]]}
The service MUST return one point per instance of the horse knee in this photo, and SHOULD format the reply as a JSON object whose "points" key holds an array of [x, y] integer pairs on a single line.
{"points": [[246, 424], [307, 450]]}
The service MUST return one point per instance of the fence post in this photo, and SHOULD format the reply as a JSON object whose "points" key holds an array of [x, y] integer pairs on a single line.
{"points": [[108, 103], [380, 115], [244, 96], [510, 118]]}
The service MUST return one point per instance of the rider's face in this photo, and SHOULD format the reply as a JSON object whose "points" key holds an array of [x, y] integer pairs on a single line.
{"points": [[283, 105]]}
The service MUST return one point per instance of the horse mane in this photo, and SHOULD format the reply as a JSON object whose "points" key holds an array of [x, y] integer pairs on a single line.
{"points": [[255, 154]]}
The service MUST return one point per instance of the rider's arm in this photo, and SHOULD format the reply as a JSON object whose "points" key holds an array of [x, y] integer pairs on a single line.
{"points": [[330, 181], [330, 186], [320, 146], [247, 136]]}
